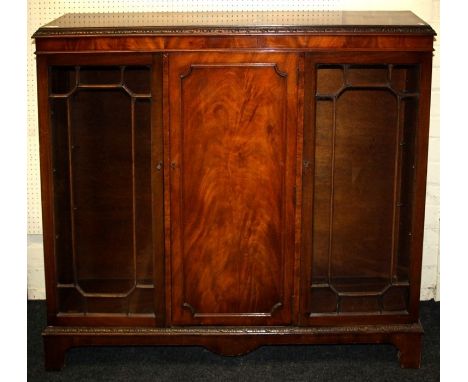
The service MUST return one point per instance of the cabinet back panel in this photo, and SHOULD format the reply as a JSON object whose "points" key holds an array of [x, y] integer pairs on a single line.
{"points": [[101, 128], [364, 155]]}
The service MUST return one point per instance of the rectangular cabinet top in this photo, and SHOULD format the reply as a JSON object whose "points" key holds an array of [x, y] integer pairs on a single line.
{"points": [[245, 23]]}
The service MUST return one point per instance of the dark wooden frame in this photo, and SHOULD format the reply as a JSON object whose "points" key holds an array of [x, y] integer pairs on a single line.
{"points": [[410, 44]]}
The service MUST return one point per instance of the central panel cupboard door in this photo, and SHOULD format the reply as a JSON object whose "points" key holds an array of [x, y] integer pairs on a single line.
{"points": [[232, 155]]}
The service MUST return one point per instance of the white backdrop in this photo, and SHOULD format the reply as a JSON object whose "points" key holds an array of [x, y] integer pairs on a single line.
{"points": [[42, 12]]}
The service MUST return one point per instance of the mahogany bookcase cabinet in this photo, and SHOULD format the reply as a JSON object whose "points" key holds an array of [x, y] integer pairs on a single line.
{"points": [[233, 180]]}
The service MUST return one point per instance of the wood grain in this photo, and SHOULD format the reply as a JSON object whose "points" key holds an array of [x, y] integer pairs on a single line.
{"points": [[229, 187], [301, 43]]}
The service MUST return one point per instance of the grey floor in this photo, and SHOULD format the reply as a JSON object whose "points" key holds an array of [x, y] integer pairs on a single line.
{"points": [[270, 363]]}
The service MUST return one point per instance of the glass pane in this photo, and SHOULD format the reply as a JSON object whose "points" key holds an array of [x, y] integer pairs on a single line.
{"points": [[106, 305], [405, 78], [62, 79], [101, 129], [70, 301], [137, 79], [409, 120], [363, 176], [62, 213], [323, 300], [396, 298], [364, 304], [364, 165], [361, 75], [100, 75], [329, 79], [321, 203], [143, 215], [141, 301]]}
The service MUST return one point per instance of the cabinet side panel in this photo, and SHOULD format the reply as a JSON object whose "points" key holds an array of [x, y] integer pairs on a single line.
{"points": [[47, 191], [63, 239]]}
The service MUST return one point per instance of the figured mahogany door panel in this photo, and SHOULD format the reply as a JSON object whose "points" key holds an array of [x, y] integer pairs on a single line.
{"points": [[232, 148], [359, 139], [102, 134]]}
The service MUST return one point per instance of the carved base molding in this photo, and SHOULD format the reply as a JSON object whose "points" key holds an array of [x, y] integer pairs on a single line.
{"points": [[231, 330], [227, 341]]}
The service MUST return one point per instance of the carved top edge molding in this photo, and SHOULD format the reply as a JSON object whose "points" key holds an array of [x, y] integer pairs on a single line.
{"points": [[235, 22], [230, 330], [215, 31]]}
